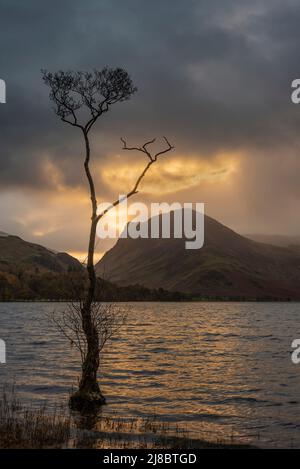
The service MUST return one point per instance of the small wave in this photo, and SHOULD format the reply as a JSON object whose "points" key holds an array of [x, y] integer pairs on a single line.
{"points": [[243, 400]]}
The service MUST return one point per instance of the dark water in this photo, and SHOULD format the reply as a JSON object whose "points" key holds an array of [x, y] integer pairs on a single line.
{"points": [[220, 369]]}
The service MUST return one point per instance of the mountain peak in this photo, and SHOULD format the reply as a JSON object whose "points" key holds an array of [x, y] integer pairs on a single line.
{"points": [[228, 265]]}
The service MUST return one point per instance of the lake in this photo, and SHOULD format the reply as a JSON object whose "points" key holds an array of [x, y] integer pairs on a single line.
{"points": [[217, 369]]}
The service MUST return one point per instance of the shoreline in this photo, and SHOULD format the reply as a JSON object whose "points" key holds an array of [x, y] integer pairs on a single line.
{"points": [[22, 427]]}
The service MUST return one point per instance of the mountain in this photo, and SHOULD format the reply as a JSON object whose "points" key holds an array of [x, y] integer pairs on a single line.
{"points": [[17, 254], [30, 271], [227, 266], [277, 240]]}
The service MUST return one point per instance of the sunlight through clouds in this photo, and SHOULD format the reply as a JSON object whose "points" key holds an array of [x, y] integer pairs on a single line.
{"points": [[171, 174]]}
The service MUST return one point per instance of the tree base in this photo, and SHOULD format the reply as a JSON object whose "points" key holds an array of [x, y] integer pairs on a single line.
{"points": [[86, 400]]}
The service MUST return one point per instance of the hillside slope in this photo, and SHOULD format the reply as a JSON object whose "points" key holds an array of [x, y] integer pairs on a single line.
{"points": [[15, 253], [228, 265], [30, 271]]}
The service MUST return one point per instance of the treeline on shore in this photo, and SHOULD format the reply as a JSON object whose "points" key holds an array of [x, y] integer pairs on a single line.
{"points": [[51, 286], [69, 286]]}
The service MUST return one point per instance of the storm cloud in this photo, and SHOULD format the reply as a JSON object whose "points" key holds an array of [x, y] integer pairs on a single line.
{"points": [[214, 76]]}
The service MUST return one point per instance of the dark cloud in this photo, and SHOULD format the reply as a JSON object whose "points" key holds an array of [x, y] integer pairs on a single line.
{"points": [[211, 75]]}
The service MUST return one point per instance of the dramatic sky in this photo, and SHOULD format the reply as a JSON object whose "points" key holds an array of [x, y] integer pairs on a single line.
{"points": [[214, 76]]}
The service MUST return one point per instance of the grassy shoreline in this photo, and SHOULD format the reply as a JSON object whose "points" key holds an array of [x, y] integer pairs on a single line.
{"points": [[23, 427]]}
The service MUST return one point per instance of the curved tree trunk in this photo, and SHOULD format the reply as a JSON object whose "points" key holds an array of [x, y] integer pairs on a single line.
{"points": [[89, 390]]}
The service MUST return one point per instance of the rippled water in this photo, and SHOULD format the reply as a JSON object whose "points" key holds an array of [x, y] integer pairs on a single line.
{"points": [[220, 369]]}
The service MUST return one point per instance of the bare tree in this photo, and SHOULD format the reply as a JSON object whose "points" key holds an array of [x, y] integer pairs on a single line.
{"points": [[80, 98], [106, 318]]}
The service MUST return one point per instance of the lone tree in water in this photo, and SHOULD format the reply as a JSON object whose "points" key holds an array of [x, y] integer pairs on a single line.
{"points": [[80, 98]]}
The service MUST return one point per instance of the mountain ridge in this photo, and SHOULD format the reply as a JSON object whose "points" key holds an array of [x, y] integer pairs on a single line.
{"points": [[18, 253], [228, 265], [31, 272]]}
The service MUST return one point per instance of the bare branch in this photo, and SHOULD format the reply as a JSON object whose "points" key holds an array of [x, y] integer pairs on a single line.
{"points": [[170, 147], [152, 158], [148, 143], [107, 319], [125, 147], [144, 149]]}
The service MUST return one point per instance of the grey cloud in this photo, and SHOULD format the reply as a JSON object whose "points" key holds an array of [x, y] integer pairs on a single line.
{"points": [[211, 75]]}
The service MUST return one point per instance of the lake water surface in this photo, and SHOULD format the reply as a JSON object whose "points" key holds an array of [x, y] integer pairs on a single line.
{"points": [[218, 369]]}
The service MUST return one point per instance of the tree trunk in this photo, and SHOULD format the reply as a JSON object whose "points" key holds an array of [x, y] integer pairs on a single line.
{"points": [[89, 391]]}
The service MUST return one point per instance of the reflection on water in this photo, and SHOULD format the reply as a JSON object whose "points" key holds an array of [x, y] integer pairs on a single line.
{"points": [[218, 369]]}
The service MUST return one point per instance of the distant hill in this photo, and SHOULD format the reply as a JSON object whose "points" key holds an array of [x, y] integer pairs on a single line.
{"points": [[228, 266], [277, 240], [17, 254], [29, 271]]}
